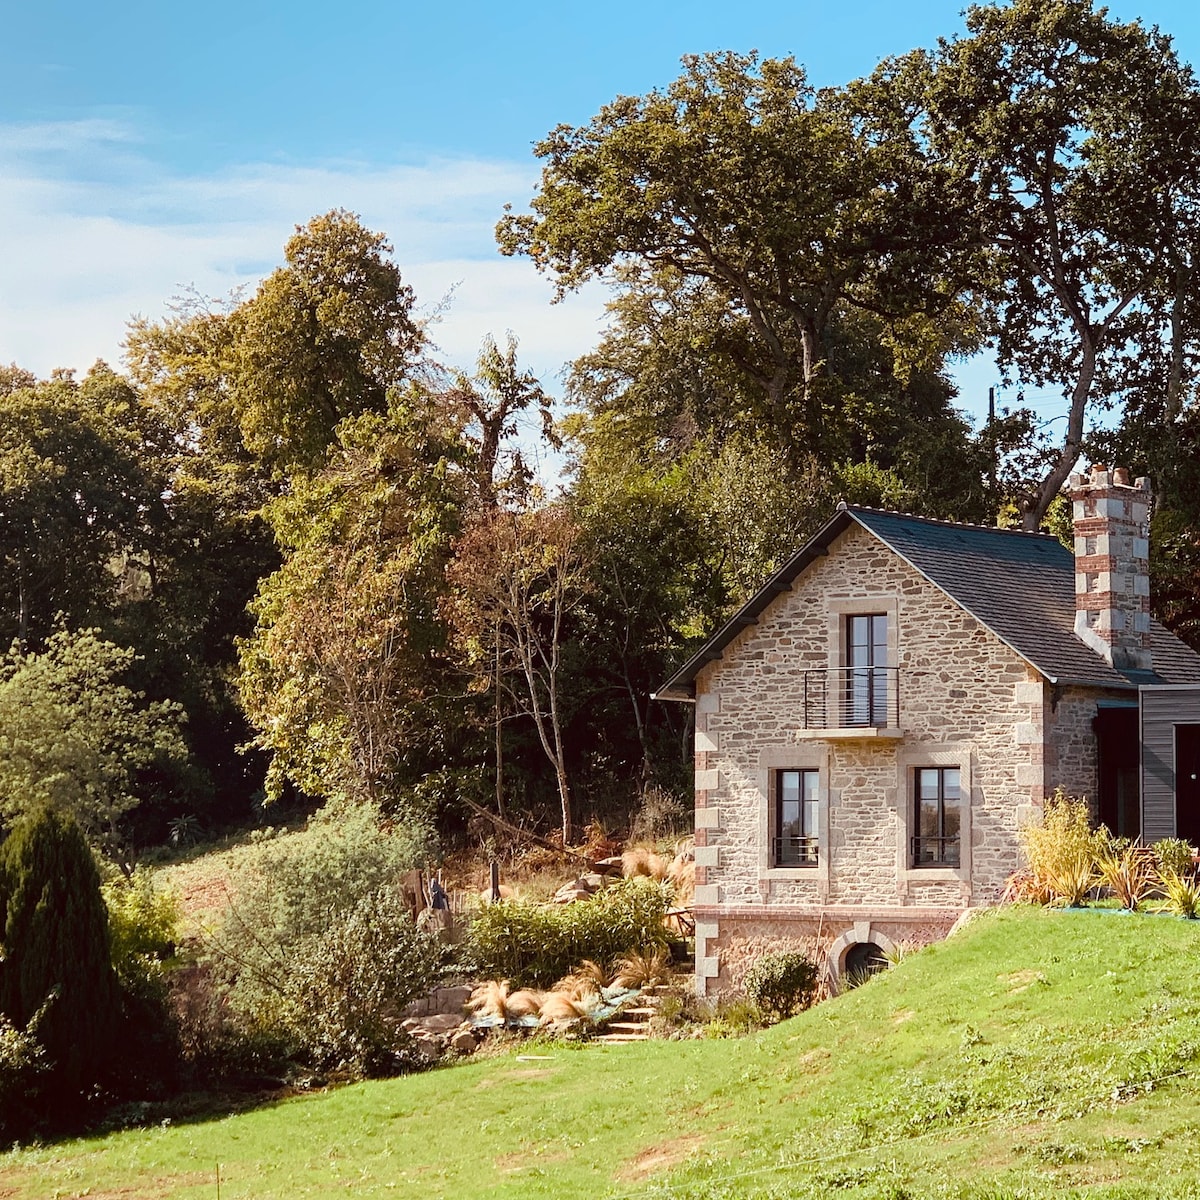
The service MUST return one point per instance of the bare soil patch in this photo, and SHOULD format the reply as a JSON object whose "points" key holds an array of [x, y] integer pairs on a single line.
{"points": [[660, 1157]]}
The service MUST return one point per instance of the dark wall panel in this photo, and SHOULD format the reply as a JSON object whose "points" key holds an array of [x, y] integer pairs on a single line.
{"points": [[1162, 709]]}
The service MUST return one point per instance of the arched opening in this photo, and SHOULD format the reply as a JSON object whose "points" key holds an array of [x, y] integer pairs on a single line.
{"points": [[863, 959]]}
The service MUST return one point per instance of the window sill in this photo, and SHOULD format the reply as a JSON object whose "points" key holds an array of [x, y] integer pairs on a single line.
{"points": [[791, 872], [849, 733], [935, 873]]}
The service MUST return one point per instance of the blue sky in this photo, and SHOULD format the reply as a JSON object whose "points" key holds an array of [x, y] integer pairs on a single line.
{"points": [[150, 147]]}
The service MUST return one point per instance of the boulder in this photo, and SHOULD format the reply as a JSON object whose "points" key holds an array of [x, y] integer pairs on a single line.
{"points": [[463, 1042]]}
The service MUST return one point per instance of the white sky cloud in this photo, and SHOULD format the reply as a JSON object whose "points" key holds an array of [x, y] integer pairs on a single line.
{"points": [[94, 232]]}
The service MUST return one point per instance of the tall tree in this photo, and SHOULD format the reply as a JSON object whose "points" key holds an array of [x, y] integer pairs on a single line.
{"points": [[76, 491], [779, 199], [1074, 139], [516, 578], [343, 674], [75, 738]]}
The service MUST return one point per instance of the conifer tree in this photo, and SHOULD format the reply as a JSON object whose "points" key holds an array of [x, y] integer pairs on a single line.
{"points": [[55, 942]]}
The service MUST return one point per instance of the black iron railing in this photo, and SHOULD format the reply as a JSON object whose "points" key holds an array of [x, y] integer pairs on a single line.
{"points": [[935, 851], [852, 698], [795, 852]]}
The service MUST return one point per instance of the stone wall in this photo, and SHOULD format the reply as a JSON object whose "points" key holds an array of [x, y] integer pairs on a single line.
{"points": [[966, 700]]}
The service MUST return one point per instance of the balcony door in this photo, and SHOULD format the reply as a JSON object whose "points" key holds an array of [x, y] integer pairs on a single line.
{"points": [[865, 701]]}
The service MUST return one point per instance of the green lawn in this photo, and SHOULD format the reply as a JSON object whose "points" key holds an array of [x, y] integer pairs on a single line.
{"points": [[1034, 1055]]}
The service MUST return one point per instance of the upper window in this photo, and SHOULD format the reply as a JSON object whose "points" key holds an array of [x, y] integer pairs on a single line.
{"points": [[795, 841], [865, 691], [938, 798]]}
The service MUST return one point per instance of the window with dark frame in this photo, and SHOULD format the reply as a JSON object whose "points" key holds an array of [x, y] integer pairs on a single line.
{"points": [[795, 838], [865, 697], [937, 796]]}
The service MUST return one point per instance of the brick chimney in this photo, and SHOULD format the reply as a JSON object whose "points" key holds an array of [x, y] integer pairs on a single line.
{"points": [[1112, 565]]}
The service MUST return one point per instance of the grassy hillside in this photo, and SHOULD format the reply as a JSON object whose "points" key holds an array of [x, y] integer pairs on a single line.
{"points": [[1036, 1054]]}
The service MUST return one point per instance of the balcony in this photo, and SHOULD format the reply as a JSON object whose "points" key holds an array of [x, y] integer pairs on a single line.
{"points": [[794, 852], [935, 851], [851, 702]]}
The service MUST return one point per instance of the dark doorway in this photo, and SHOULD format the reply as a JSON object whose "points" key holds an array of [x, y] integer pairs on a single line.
{"points": [[1117, 736], [1187, 783]]}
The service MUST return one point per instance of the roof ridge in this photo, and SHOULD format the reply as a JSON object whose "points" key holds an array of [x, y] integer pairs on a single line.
{"points": [[895, 512]]}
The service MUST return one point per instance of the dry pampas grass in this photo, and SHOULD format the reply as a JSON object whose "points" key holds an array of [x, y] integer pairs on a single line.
{"points": [[559, 1008], [641, 969], [682, 874], [642, 860], [525, 1003], [494, 999], [586, 980], [490, 999]]}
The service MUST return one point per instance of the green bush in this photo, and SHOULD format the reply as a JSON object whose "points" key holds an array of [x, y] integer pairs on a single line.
{"points": [[299, 886], [143, 927], [344, 994], [781, 983], [54, 931], [22, 1064], [303, 907], [1173, 855], [537, 944]]}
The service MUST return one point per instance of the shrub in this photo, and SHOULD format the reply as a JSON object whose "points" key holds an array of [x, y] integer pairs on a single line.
{"points": [[54, 931], [1062, 851], [1173, 855], [318, 952], [22, 1064], [143, 926], [1181, 895], [780, 984], [301, 886], [643, 968], [1129, 873], [343, 995], [537, 944]]}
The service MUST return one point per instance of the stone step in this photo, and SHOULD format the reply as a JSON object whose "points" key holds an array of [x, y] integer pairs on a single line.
{"points": [[617, 1039], [626, 1027]]}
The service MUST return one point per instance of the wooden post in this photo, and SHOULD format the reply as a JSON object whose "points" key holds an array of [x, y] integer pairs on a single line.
{"points": [[495, 883]]}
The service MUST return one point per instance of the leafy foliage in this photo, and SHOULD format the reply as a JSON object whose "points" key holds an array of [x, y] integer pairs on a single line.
{"points": [[143, 926], [22, 1067], [345, 988], [344, 674], [310, 895], [75, 738], [78, 485], [1051, 120], [1173, 855], [781, 983], [538, 944], [1062, 851]]}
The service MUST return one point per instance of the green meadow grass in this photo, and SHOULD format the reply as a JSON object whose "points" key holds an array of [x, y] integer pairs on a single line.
{"points": [[1035, 1054]]}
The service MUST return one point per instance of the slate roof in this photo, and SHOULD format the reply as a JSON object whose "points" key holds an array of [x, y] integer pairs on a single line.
{"points": [[1019, 585]]}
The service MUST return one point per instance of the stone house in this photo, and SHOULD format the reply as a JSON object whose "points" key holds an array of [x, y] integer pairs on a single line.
{"points": [[874, 726]]}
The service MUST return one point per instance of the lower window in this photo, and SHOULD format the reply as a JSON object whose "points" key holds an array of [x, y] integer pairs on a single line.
{"points": [[795, 840], [938, 822]]}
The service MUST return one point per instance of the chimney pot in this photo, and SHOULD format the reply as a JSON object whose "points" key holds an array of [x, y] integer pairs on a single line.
{"points": [[1121, 476]]}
